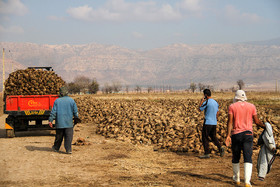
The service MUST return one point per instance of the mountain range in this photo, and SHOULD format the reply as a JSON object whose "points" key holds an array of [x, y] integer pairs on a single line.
{"points": [[176, 65]]}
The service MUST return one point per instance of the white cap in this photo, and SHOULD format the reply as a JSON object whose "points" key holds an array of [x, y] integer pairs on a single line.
{"points": [[240, 96]]}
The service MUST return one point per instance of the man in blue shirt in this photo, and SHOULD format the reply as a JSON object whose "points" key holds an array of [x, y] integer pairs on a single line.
{"points": [[63, 111], [211, 108]]}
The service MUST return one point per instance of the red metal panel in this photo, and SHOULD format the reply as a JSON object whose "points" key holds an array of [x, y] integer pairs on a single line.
{"points": [[11, 103], [52, 99], [30, 102]]}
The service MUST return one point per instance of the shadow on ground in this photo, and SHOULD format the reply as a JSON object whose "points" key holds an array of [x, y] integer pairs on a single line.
{"points": [[28, 133], [226, 179], [46, 149], [2, 133], [36, 148]]}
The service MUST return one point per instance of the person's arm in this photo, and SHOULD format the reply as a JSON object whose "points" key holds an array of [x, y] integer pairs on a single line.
{"points": [[75, 110], [52, 115], [229, 128], [200, 104], [258, 122]]}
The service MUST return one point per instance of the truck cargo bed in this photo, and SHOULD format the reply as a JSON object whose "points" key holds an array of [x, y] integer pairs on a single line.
{"points": [[29, 104]]}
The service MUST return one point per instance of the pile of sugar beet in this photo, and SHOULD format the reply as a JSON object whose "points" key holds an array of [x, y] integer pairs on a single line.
{"points": [[33, 82], [170, 124]]}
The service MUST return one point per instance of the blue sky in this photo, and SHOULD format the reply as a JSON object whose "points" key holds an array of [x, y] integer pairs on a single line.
{"points": [[139, 24]]}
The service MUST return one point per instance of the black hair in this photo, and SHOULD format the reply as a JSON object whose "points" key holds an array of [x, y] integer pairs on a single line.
{"points": [[207, 92]]}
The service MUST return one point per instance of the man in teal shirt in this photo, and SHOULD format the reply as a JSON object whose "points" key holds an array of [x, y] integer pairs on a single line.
{"points": [[211, 108], [63, 111]]}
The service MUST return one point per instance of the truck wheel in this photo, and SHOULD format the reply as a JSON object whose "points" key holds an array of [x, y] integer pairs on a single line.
{"points": [[10, 133]]}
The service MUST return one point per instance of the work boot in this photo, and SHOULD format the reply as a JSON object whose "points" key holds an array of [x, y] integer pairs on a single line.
{"points": [[205, 156], [236, 173], [222, 151], [247, 173], [55, 150]]}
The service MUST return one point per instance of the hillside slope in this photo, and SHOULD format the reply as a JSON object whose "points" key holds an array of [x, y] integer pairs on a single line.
{"points": [[175, 65]]}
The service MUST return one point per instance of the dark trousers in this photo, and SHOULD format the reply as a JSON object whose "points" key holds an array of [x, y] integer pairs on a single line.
{"points": [[67, 134], [209, 131], [242, 141]]}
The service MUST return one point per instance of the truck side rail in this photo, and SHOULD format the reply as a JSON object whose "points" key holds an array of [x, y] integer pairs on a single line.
{"points": [[29, 104]]}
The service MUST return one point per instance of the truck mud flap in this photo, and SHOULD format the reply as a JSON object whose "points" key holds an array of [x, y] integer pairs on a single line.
{"points": [[10, 132]]}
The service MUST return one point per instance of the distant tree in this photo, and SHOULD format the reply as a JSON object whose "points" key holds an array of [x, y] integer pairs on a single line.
{"points": [[138, 89], [150, 89], [201, 87], [210, 87], [240, 84], [193, 87], [126, 88], [107, 88], [93, 87], [73, 88], [116, 86], [83, 82]]}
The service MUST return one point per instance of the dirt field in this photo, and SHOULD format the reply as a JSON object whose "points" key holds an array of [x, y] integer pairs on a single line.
{"points": [[28, 160]]}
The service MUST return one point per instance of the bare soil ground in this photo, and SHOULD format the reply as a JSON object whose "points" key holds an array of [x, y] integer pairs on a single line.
{"points": [[28, 160]]}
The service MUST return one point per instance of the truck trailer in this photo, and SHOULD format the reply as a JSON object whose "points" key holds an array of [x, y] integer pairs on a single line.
{"points": [[27, 112]]}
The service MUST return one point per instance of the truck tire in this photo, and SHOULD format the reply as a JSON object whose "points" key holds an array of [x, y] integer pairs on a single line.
{"points": [[10, 133]]}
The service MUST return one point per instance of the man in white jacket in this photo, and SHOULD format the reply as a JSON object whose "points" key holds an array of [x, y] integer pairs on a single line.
{"points": [[268, 148]]}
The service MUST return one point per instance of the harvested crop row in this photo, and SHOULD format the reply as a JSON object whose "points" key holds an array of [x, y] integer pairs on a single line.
{"points": [[169, 124], [33, 82]]}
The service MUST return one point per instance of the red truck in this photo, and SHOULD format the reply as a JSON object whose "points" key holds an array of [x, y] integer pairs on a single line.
{"points": [[27, 112]]}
